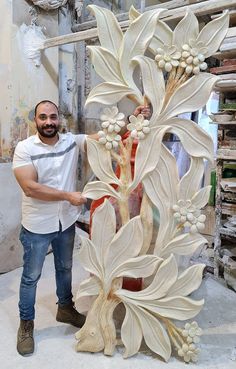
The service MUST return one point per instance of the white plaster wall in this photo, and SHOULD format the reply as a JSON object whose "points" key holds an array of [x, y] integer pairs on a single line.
{"points": [[5, 75], [68, 76], [10, 200], [22, 86]]}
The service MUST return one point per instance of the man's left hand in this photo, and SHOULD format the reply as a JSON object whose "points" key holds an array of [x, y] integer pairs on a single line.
{"points": [[144, 110]]}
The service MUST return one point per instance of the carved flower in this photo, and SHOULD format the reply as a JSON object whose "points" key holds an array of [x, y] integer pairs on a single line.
{"points": [[111, 141], [195, 46], [167, 57], [189, 352], [112, 119], [192, 332], [193, 56], [138, 126], [186, 213], [183, 209], [191, 47]]}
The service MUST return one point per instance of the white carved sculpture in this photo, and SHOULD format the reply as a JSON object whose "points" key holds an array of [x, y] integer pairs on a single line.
{"points": [[49, 4], [109, 255], [79, 7]]}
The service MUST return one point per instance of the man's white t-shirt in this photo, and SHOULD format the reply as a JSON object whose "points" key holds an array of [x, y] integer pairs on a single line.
{"points": [[56, 166]]}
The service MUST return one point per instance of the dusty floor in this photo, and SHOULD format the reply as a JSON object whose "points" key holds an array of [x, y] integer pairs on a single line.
{"points": [[55, 341]]}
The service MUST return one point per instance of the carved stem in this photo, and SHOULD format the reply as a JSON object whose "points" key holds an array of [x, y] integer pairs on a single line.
{"points": [[134, 99], [125, 178], [124, 210], [176, 78], [116, 157], [170, 79], [108, 326], [147, 222], [174, 333], [89, 337]]}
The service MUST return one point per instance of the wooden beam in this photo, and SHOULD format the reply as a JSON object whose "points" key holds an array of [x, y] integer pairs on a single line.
{"points": [[125, 16], [205, 7]]}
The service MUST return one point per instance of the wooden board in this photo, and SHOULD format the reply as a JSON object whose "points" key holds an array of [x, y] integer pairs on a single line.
{"points": [[200, 8], [223, 69]]}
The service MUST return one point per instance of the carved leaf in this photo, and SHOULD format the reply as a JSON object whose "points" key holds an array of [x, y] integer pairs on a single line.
{"points": [[180, 308], [154, 333], [141, 266], [190, 182], [188, 281], [161, 186], [131, 328], [190, 96], [152, 77], [110, 93], [184, 244], [89, 287], [151, 146], [185, 30], [177, 307], [165, 277], [126, 244], [162, 36], [97, 189], [103, 229], [88, 258], [194, 139], [100, 161], [133, 13], [105, 64], [109, 31], [213, 33], [201, 198], [146, 215], [135, 42]]}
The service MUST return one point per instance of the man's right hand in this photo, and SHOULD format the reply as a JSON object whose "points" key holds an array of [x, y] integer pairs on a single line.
{"points": [[75, 198]]}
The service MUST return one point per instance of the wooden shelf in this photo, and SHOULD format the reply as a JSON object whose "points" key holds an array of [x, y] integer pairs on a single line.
{"points": [[226, 154], [223, 69], [222, 157], [227, 232], [229, 123], [228, 209], [221, 55]]}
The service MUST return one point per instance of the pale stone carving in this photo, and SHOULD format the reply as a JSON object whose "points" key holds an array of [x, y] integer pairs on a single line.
{"points": [[79, 7], [32, 40], [49, 4], [109, 255]]}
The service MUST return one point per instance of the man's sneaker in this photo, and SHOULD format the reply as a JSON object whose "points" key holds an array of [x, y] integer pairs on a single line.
{"points": [[25, 338], [68, 314]]}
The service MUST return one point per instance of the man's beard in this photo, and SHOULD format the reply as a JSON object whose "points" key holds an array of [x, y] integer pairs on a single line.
{"points": [[53, 130]]}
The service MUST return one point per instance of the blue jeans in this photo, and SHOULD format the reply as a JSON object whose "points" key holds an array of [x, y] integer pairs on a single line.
{"points": [[35, 249]]}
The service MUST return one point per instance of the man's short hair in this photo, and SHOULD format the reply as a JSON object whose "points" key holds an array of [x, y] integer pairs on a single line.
{"points": [[44, 102]]}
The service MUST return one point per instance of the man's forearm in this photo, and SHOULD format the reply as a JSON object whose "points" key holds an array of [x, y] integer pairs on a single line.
{"points": [[46, 193]]}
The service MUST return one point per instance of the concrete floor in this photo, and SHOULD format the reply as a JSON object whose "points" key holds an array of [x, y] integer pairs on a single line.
{"points": [[55, 341]]}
